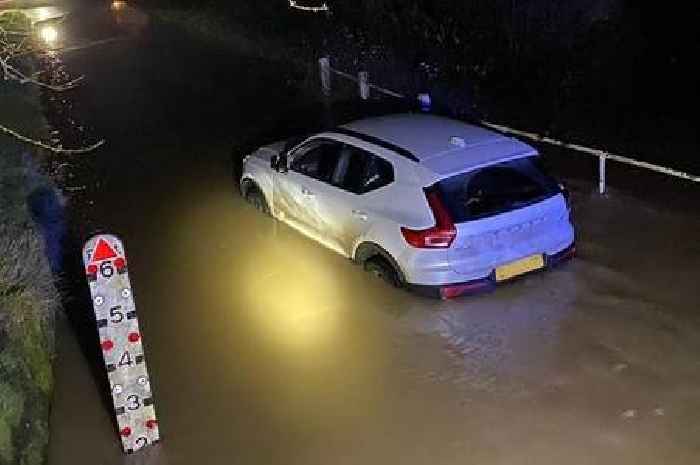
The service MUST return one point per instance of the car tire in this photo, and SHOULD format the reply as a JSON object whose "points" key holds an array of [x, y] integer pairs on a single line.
{"points": [[254, 197], [382, 269]]}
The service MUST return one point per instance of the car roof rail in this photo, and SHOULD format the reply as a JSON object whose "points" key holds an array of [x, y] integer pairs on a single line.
{"points": [[376, 141]]}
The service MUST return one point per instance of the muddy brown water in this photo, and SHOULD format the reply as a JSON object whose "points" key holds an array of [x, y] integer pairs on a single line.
{"points": [[264, 347]]}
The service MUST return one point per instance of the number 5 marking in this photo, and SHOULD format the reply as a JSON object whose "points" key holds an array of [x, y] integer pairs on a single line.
{"points": [[116, 315]]}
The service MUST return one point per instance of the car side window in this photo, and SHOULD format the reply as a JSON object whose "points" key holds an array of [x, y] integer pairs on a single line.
{"points": [[378, 173], [317, 159], [359, 171]]}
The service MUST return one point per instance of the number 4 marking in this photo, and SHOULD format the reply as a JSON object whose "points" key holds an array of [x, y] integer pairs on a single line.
{"points": [[125, 359]]}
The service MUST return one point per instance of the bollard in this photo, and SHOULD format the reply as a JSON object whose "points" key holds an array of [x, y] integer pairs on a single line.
{"points": [[601, 174], [324, 64], [363, 80]]}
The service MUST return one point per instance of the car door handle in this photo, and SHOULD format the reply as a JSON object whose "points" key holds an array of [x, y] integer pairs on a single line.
{"points": [[359, 214], [306, 192]]}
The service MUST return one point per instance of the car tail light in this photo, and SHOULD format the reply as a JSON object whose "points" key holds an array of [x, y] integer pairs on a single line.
{"points": [[439, 236]]}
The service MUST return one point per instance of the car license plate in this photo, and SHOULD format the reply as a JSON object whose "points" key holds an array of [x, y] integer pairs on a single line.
{"points": [[518, 267]]}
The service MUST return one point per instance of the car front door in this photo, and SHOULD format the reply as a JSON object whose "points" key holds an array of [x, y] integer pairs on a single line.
{"points": [[299, 193]]}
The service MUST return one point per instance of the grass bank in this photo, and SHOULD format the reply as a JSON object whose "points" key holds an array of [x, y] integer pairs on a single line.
{"points": [[28, 298]]}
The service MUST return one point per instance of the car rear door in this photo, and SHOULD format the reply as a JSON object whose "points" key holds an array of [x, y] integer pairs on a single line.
{"points": [[350, 196]]}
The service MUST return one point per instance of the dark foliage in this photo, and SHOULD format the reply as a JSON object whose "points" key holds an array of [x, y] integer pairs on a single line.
{"points": [[614, 71]]}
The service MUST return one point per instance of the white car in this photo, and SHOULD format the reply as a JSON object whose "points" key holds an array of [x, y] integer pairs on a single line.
{"points": [[421, 201]]}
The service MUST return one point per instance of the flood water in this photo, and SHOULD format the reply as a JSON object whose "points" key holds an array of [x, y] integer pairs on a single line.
{"points": [[263, 347]]}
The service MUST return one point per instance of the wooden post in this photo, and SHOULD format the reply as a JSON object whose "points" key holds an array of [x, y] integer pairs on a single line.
{"points": [[363, 80], [324, 64]]}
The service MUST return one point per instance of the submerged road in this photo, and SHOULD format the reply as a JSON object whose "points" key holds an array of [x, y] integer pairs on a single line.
{"points": [[265, 348]]}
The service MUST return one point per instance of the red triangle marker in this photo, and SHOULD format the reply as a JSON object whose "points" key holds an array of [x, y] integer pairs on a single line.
{"points": [[103, 251]]}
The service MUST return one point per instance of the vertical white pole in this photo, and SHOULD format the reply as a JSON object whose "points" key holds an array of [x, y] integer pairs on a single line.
{"points": [[324, 64], [363, 80], [601, 174]]}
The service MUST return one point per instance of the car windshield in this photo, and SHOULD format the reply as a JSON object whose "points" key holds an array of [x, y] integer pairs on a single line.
{"points": [[497, 189]]}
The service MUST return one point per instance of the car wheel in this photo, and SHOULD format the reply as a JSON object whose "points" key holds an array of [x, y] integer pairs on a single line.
{"points": [[382, 269], [254, 197]]}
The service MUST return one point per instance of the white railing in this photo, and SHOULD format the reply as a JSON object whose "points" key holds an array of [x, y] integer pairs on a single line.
{"points": [[602, 155], [364, 85]]}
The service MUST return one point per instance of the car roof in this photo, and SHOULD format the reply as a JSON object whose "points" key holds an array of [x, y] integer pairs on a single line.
{"points": [[442, 145]]}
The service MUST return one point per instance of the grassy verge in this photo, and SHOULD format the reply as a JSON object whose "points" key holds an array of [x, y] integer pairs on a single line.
{"points": [[28, 297], [27, 303]]}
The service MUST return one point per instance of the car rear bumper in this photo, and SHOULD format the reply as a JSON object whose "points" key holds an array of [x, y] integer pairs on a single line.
{"points": [[476, 286]]}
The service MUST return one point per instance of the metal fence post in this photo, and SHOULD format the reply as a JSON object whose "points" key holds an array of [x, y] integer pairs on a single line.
{"points": [[324, 64], [601, 173], [363, 80]]}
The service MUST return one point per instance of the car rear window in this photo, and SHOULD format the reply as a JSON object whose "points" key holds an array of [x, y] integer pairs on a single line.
{"points": [[497, 189]]}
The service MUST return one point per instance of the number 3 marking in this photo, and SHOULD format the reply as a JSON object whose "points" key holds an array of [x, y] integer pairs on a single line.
{"points": [[133, 402]]}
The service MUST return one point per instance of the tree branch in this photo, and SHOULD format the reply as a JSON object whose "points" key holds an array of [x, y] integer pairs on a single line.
{"points": [[14, 44], [44, 146]]}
